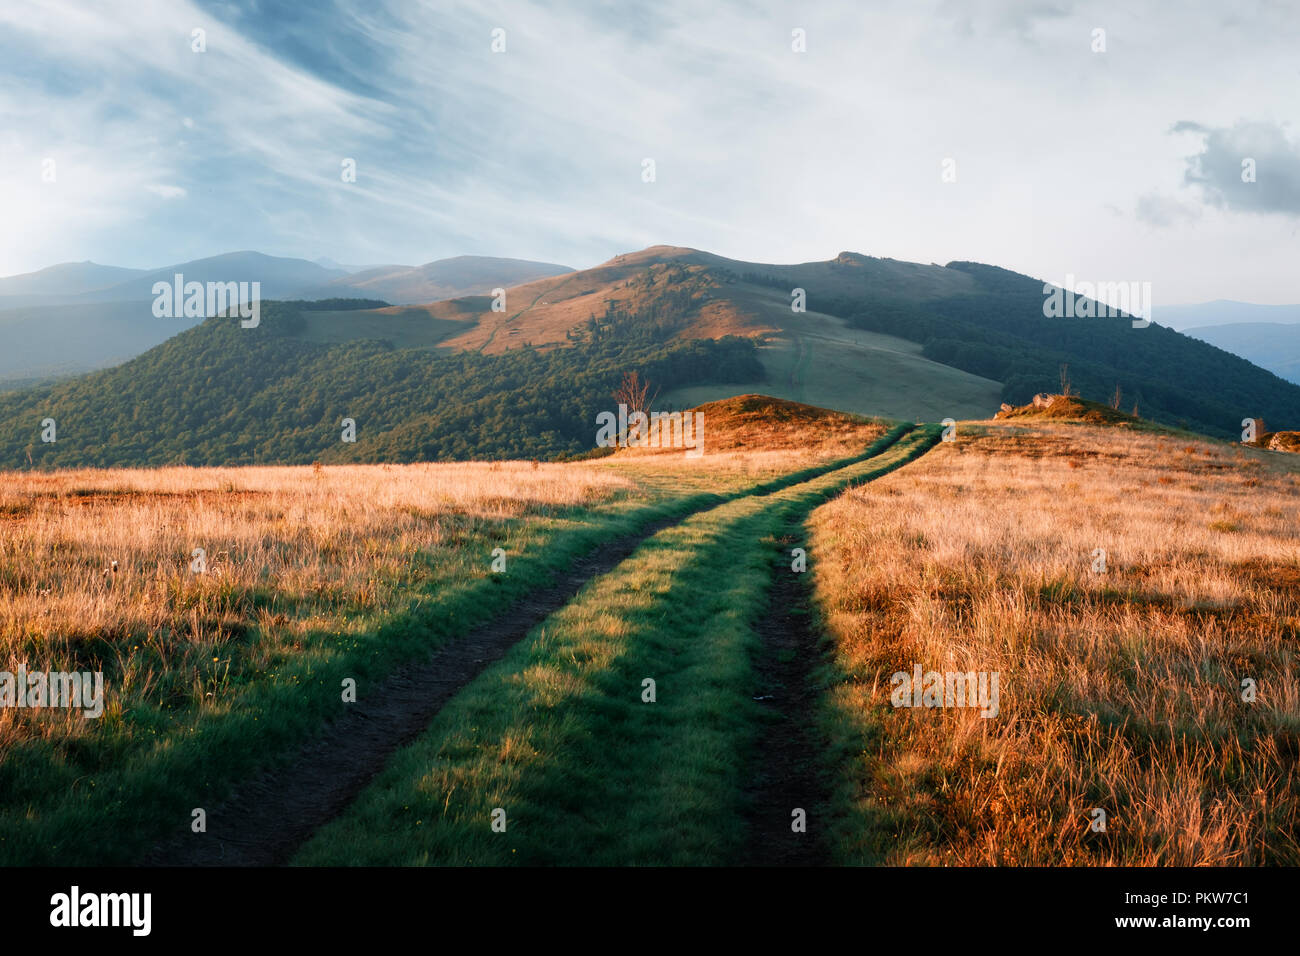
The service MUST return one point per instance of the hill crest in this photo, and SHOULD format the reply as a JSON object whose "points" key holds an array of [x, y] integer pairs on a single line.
{"points": [[755, 422], [1068, 408]]}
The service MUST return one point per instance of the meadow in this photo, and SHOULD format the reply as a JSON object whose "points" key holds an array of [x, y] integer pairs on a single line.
{"points": [[1134, 589], [1158, 687], [309, 576], [586, 762]]}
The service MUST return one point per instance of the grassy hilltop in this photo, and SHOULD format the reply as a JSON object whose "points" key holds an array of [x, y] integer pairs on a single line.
{"points": [[768, 589]]}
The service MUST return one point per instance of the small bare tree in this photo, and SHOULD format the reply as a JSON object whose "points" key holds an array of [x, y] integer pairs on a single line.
{"points": [[1065, 380], [634, 392], [1116, 398]]}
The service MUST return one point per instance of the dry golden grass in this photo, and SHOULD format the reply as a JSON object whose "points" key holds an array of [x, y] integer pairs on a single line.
{"points": [[96, 564], [757, 434], [544, 311], [1119, 691], [315, 575]]}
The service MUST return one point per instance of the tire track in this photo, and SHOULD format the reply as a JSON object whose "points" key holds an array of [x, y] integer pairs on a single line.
{"points": [[789, 775], [269, 816], [787, 778]]}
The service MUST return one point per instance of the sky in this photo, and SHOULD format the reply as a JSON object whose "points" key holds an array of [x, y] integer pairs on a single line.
{"points": [[1009, 133]]}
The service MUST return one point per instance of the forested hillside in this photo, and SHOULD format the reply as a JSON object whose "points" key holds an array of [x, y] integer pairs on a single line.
{"points": [[528, 382], [222, 394], [1002, 334]]}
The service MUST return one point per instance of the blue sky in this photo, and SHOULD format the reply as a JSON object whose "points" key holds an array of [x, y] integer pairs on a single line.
{"points": [[1114, 165]]}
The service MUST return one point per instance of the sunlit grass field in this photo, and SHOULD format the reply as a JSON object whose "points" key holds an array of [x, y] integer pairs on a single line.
{"points": [[310, 575], [1120, 691], [1137, 592], [560, 735]]}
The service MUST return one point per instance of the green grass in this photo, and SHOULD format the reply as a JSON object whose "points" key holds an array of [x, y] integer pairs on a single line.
{"points": [[856, 371], [409, 328], [147, 767], [558, 736], [106, 798]]}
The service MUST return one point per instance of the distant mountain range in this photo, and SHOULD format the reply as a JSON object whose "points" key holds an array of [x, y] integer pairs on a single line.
{"points": [[459, 379], [1223, 312], [443, 279], [1271, 345], [65, 279], [78, 316], [1268, 335]]}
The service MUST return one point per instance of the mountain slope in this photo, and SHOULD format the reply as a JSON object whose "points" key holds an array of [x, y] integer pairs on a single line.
{"points": [[1271, 345], [442, 279], [66, 278], [707, 295], [67, 330], [809, 357], [1002, 333], [879, 337], [222, 394]]}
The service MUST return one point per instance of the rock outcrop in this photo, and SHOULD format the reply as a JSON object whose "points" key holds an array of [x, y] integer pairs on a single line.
{"points": [[1284, 441]]}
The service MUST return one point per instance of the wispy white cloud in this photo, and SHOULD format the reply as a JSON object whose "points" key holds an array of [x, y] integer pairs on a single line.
{"points": [[167, 192], [760, 152], [1165, 212]]}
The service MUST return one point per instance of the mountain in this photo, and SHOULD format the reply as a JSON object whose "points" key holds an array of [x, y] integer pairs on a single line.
{"points": [[280, 277], [442, 279], [78, 317], [881, 337], [1003, 332], [810, 357], [460, 379], [69, 329], [1223, 312], [222, 394], [66, 278], [1271, 345]]}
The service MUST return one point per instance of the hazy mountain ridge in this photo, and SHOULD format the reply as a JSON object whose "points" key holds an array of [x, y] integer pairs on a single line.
{"points": [[65, 278], [82, 316], [1271, 345], [441, 279], [1223, 312], [856, 333], [280, 277]]}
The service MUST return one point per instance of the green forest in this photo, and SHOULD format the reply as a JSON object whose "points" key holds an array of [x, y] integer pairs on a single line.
{"points": [[1002, 334], [219, 394]]}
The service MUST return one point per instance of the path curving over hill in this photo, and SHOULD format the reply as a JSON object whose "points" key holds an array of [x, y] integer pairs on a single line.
{"points": [[269, 817]]}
